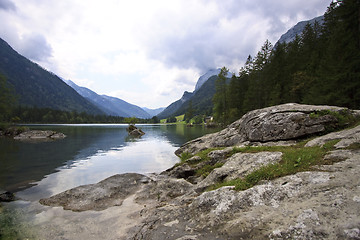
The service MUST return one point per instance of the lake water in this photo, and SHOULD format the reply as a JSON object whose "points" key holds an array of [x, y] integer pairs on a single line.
{"points": [[89, 154]]}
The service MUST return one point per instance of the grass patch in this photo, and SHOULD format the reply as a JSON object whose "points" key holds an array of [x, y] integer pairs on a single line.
{"points": [[354, 146], [294, 159], [180, 118], [206, 170]]}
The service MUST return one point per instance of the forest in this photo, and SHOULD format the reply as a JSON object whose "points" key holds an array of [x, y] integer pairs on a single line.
{"points": [[321, 66]]}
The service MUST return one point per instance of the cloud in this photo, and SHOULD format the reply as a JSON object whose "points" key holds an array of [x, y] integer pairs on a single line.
{"points": [[208, 34], [148, 51], [7, 5], [35, 47]]}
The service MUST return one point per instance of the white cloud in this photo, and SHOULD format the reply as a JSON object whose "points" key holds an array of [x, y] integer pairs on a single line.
{"points": [[148, 52]]}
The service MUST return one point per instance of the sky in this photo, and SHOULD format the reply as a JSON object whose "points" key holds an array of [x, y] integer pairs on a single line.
{"points": [[146, 52]]}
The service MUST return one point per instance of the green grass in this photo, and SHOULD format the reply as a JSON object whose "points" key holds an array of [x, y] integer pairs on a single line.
{"points": [[207, 169], [295, 159], [180, 118]]}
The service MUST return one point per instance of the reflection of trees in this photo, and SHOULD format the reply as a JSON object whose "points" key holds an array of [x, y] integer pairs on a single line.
{"points": [[23, 162], [179, 134]]}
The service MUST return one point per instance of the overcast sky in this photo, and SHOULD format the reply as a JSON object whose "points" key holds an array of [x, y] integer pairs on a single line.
{"points": [[146, 52]]}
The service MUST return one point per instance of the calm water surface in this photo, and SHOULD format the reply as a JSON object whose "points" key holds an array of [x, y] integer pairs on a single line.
{"points": [[89, 154]]}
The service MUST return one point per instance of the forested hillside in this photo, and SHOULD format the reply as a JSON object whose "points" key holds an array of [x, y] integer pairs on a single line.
{"points": [[321, 66], [35, 86]]}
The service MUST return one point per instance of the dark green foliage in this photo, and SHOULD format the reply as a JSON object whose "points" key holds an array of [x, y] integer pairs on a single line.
{"points": [[189, 112], [220, 100], [321, 66], [7, 99], [201, 100]]}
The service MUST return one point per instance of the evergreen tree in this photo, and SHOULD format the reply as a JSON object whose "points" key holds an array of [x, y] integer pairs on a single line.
{"points": [[190, 112], [7, 99], [220, 98]]}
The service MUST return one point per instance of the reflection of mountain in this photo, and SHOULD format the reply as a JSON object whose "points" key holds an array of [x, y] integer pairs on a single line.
{"points": [[22, 163]]}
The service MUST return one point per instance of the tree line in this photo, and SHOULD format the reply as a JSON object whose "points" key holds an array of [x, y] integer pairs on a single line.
{"points": [[321, 66]]}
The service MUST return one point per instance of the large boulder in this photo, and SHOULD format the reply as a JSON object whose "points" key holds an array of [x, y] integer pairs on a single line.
{"points": [[278, 123]]}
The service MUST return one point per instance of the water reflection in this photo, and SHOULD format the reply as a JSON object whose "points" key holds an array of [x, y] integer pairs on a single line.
{"points": [[89, 154]]}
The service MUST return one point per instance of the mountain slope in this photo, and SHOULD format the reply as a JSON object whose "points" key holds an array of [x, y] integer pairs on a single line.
{"points": [[96, 99], [290, 35], [130, 109], [173, 107], [201, 98], [153, 112], [205, 77], [34, 86], [110, 105]]}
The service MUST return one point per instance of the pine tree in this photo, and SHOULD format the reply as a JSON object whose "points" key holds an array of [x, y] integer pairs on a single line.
{"points": [[7, 99], [221, 108]]}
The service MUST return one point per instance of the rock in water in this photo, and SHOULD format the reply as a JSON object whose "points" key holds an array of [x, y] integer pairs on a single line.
{"points": [[7, 197], [134, 131]]}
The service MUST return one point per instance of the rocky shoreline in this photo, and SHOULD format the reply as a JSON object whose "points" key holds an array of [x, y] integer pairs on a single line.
{"points": [[223, 187]]}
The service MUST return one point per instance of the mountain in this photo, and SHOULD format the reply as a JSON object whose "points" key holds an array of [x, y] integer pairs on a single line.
{"points": [[110, 105], [290, 35], [153, 112], [201, 100], [205, 77], [130, 109], [35, 86], [173, 107], [201, 97]]}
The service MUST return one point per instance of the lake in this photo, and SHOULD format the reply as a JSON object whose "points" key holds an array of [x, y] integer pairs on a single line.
{"points": [[89, 154]]}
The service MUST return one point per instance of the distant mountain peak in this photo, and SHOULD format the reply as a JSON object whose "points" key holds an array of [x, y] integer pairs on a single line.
{"points": [[110, 105], [290, 35], [206, 76]]}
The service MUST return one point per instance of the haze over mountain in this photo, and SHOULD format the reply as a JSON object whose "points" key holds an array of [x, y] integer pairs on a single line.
{"points": [[110, 105], [35, 86], [153, 112]]}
